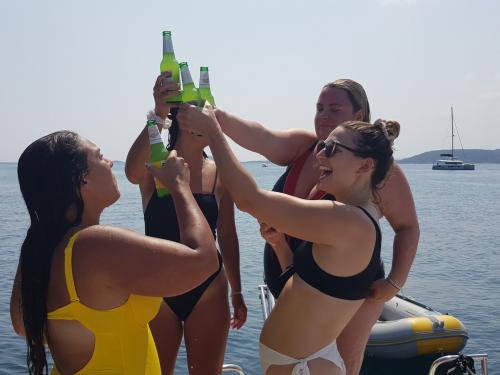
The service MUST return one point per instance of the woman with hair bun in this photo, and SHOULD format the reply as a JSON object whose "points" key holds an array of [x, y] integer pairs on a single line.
{"points": [[339, 101], [337, 260]]}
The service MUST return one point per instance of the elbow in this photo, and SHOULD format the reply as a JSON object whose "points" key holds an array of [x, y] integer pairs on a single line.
{"points": [[133, 177], [19, 329], [243, 204], [210, 263], [17, 324], [249, 199]]}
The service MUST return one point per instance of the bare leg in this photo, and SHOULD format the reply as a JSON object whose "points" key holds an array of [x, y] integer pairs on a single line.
{"points": [[352, 341], [206, 330], [167, 333]]}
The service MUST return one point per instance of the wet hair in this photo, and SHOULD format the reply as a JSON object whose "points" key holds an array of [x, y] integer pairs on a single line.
{"points": [[356, 94], [50, 171], [173, 134], [375, 141]]}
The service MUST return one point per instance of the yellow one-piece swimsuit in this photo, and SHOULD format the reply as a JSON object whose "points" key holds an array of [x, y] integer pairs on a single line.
{"points": [[123, 340]]}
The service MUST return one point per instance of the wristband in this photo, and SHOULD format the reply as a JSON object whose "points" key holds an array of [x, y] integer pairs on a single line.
{"points": [[165, 123], [393, 283]]}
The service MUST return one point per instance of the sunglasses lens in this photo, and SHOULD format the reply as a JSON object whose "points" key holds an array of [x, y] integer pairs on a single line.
{"points": [[328, 146], [320, 146]]}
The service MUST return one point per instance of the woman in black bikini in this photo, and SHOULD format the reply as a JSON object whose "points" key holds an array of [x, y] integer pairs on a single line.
{"points": [[339, 101], [339, 257], [187, 314]]}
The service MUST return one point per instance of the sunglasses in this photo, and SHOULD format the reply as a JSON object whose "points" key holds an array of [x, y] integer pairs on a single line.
{"points": [[330, 147]]}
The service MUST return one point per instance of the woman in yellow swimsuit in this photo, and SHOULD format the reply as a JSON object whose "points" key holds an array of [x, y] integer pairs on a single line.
{"points": [[90, 290]]}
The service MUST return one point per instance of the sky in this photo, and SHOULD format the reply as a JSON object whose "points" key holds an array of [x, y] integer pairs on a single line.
{"points": [[90, 66]]}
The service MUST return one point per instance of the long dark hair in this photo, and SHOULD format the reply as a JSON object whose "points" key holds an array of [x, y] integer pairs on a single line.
{"points": [[50, 171]]}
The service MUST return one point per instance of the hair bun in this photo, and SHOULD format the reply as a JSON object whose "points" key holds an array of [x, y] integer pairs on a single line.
{"points": [[390, 128]]}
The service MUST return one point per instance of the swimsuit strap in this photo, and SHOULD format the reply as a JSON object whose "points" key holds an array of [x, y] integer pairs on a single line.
{"points": [[296, 168], [68, 269]]}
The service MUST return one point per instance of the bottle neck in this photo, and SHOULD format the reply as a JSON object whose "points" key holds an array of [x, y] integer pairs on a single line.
{"points": [[186, 77], [168, 47], [204, 80], [154, 135]]}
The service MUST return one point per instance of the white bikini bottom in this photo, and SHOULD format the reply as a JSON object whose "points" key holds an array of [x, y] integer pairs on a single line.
{"points": [[269, 357]]}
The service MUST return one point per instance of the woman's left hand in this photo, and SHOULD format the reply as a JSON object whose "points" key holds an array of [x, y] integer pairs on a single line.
{"points": [[382, 291], [200, 121], [239, 311]]}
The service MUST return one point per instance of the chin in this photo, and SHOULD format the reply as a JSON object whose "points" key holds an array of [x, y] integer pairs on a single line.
{"points": [[322, 132]]}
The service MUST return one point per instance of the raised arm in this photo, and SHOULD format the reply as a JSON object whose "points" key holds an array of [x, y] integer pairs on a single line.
{"points": [[139, 152], [398, 207], [229, 247], [327, 222], [280, 147], [150, 266]]}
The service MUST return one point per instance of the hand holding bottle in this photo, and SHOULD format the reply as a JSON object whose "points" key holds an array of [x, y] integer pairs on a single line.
{"points": [[164, 89], [198, 120], [173, 173]]}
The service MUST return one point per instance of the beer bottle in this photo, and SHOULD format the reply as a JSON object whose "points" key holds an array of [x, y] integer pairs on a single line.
{"points": [[204, 86], [157, 154], [170, 63], [190, 93]]}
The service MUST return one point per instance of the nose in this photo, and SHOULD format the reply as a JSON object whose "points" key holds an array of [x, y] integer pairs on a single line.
{"points": [[321, 154]]}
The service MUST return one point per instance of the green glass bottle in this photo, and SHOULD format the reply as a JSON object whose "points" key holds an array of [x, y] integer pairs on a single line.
{"points": [[157, 154], [190, 93], [204, 86], [170, 63]]}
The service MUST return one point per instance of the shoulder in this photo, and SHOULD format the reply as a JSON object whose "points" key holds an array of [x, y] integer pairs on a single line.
{"points": [[358, 225], [395, 196], [101, 239]]}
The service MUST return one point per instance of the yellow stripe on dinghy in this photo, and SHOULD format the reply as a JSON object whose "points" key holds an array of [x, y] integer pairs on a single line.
{"points": [[443, 324]]}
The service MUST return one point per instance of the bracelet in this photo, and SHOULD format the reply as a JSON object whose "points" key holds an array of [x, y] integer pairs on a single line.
{"points": [[393, 283], [165, 123]]}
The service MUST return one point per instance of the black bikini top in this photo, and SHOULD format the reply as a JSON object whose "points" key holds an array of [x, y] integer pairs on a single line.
{"points": [[160, 218], [349, 288]]}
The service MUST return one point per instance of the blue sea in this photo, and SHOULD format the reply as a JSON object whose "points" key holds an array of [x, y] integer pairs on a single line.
{"points": [[456, 270]]}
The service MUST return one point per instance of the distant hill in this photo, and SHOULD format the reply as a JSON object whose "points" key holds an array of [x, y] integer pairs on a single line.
{"points": [[470, 156]]}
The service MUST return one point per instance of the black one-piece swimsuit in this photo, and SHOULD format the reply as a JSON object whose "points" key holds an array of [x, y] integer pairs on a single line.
{"points": [[160, 221]]}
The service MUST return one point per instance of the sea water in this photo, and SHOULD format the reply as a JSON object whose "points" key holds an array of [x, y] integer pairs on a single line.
{"points": [[456, 270]]}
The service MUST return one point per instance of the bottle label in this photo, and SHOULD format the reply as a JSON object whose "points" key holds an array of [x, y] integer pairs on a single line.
{"points": [[204, 80], [154, 135], [186, 76], [167, 45]]}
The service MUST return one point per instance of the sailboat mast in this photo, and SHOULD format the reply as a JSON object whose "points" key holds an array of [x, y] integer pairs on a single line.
{"points": [[452, 134]]}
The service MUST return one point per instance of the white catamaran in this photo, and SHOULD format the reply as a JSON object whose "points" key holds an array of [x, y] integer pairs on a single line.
{"points": [[451, 163]]}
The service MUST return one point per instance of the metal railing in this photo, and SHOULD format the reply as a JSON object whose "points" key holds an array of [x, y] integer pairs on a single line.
{"points": [[234, 368], [482, 358]]}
